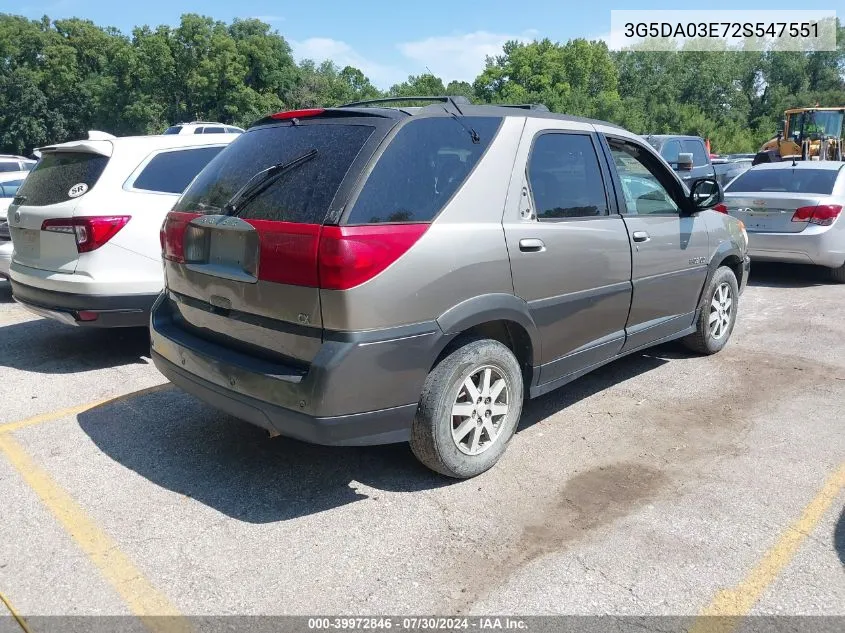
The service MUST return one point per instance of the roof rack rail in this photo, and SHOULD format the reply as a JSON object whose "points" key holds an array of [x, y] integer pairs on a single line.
{"points": [[524, 106], [455, 101]]}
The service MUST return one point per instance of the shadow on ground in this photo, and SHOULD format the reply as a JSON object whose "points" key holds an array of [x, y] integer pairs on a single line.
{"points": [[776, 275], [839, 537], [179, 443], [49, 347]]}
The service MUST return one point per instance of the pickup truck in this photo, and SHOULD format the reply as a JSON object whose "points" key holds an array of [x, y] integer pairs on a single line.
{"points": [[688, 156]]}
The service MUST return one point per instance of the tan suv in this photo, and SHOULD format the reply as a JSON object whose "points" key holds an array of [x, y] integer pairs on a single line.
{"points": [[370, 274]]}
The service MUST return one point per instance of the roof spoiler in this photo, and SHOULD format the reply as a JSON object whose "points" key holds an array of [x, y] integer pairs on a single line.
{"points": [[92, 145]]}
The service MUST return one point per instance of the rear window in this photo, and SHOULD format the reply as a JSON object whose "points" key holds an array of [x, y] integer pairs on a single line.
{"points": [[57, 172], [7, 166], [421, 169], [172, 172], [819, 181], [301, 194]]}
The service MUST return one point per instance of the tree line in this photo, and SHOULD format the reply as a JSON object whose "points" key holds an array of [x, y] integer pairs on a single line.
{"points": [[60, 78]]}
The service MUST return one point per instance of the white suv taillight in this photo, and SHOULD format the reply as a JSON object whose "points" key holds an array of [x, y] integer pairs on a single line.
{"points": [[90, 232]]}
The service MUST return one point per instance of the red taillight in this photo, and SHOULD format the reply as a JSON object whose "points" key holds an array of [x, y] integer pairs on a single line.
{"points": [[288, 252], [90, 232], [823, 214], [87, 315], [721, 208], [297, 114], [172, 235], [351, 255]]}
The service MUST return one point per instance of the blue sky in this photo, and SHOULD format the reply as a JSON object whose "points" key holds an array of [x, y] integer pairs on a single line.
{"points": [[390, 40]]}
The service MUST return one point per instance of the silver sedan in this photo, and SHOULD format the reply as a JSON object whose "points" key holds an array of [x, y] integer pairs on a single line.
{"points": [[791, 212]]}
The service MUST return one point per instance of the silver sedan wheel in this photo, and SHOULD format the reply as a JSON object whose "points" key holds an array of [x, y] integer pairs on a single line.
{"points": [[479, 410], [721, 309]]}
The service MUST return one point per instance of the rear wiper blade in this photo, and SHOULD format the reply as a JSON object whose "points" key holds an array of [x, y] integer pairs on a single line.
{"points": [[256, 185]]}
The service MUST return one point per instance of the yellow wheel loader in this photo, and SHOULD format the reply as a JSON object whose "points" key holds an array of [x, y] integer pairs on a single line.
{"points": [[806, 134]]}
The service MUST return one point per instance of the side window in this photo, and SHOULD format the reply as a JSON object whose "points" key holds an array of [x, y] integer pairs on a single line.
{"points": [[696, 148], [670, 152], [213, 130], [199, 130], [172, 172], [643, 191], [233, 130], [425, 164], [565, 178]]}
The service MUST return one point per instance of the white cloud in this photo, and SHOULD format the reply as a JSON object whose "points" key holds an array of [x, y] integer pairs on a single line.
{"points": [[459, 56], [320, 49]]}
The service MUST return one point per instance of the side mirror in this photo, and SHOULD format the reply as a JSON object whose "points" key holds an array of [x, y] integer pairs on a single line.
{"points": [[685, 161], [705, 193]]}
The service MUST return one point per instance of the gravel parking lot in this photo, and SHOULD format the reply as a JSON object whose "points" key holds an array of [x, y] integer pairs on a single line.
{"points": [[661, 484]]}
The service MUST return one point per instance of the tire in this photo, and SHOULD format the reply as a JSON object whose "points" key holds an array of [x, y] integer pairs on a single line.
{"points": [[432, 439], [705, 340], [838, 274]]}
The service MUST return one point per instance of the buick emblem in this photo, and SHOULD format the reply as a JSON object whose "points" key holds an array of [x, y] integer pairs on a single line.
{"points": [[17, 216]]}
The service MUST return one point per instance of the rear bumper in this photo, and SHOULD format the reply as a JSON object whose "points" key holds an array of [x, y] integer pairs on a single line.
{"points": [[819, 245], [361, 388], [5, 258], [110, 311], [385, 426]]}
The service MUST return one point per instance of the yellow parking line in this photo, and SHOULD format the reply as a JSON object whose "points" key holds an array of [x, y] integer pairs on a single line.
{"points": [[141, 597], [64, 413], [18, 618], [731, 604]]}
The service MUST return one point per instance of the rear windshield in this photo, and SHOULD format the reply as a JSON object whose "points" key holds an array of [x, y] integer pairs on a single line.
{"points": [[422, 168], [300, 194], [785, 180], [172, 172], [56, 173]]}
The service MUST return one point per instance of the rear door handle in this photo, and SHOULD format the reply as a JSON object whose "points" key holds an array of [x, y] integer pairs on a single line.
{"points": [[531, 245], [640, 236]]}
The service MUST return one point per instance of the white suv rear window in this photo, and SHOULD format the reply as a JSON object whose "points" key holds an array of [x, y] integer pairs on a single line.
{"points": [[56, 173]]}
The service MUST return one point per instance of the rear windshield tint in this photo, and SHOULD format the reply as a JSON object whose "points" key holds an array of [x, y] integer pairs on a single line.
{"points": [[172, 172], [819, 181], [301, 194], [421, 169], [56, 173]]}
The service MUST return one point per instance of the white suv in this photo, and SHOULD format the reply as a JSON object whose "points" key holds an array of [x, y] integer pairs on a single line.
{"points": [[203, 127], [85, 224]]}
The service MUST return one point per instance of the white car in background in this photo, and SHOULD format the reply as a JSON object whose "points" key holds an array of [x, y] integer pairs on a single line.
{"points": [[203, 127], [10, 182], [85, 224], [12, 163]]}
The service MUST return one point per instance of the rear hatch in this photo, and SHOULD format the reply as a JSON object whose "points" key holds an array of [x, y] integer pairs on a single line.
{"points": [[240, 245], [781, 200], [48, 197]]}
